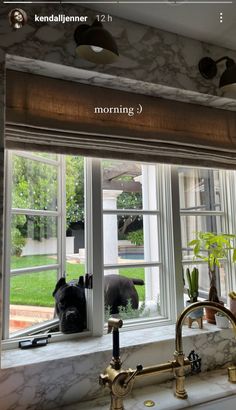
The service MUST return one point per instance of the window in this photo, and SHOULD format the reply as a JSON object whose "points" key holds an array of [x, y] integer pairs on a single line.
{"points": [[70, 215], [202, 209], [135, 219]]}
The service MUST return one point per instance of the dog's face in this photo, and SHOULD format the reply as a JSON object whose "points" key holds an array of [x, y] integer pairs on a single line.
{"points": [[70, 306]]}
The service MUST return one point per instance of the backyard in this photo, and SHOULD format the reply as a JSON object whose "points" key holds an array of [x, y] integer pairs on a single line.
{"points": [[36, 288]]}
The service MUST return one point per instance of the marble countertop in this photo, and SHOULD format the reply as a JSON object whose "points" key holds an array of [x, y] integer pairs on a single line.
{"points": [[80, 346], [201, 388]]}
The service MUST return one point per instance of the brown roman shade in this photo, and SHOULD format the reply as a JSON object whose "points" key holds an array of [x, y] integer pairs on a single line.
{"points": [[56, 115]]}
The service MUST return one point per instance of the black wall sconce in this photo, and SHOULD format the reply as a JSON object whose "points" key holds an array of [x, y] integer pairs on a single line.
{"points": [[95, 44], [208, 69]]}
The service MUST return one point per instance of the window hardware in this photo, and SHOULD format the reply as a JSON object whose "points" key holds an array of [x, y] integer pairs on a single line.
{"points": [[36, 342]]}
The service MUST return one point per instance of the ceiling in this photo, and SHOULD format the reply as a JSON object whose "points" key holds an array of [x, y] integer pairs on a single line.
{"points": [[198, 21]]}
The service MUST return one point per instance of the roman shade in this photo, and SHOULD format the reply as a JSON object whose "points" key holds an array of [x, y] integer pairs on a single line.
{"points": [[49, 114]]}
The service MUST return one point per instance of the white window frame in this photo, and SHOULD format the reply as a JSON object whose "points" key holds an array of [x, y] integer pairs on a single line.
{"points": [[61, 233], [170, 263], [223, 213], [166, 262]]}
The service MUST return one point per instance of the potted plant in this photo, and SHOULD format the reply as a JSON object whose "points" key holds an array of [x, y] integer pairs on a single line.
{"points": [[232, 302], [192, 279], [212, 248], [221, 320]]}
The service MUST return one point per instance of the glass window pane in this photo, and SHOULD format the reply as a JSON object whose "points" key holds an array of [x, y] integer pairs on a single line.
{"points": [[46, 155], [204, 283], [34, 184], [129, 185], [31, 300], [200, 189], [122, 300], [130, 238], [191, 224], [33, 241], [75, 223]]}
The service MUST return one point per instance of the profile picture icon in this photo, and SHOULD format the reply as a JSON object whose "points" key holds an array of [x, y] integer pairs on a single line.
{"points": [[17, 18]]}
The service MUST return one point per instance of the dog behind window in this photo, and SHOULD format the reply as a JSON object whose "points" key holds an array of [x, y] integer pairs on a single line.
{"points": [[119, 291], [71, 305], [71, 302]]}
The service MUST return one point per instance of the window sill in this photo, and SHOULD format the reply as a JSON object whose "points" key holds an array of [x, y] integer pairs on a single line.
{"points": [[81, 346]]}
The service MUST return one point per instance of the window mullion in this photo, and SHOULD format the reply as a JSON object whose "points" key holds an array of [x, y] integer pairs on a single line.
{"points": [[94, 243], [61, 201], [176, 229], [7, 245]]}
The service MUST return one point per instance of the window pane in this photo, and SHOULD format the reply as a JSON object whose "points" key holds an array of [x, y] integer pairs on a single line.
{"points": [[148, 301], [34, 184], [75, 223], [204, 283], [33, 241], [191, 224], [129, 185], [130, 238], [199, 189], [46, 155], [31, 300]]}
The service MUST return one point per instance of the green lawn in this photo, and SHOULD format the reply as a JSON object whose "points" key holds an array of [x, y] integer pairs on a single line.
{"points": [[36, 288]]}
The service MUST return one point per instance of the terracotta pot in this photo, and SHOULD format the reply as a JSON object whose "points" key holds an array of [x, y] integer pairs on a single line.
{"points": [[232, 306], [210, 314]]}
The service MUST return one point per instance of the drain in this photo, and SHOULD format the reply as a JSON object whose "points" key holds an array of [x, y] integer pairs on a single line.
{"points": [[149, 403]]}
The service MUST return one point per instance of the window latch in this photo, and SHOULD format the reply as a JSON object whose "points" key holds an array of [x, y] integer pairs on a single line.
{"points": [[36, 342]]}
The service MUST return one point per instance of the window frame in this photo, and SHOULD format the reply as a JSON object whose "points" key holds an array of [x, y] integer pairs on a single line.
{"points": [[169, 234], [223, 213], [59, 267]]}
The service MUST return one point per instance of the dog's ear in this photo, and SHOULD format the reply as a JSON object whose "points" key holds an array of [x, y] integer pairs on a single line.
{"points": [[59, 284], [81, 281]]}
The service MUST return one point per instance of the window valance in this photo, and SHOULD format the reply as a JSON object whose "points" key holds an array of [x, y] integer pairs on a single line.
{"points": [[45, 113]]}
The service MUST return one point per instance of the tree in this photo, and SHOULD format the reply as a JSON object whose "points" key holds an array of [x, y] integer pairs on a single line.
{"points": [[35, 186]]}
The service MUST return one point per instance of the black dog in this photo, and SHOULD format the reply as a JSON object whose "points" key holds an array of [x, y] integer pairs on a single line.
{"points": [[71, 301], [119, 290], [71, 305]]}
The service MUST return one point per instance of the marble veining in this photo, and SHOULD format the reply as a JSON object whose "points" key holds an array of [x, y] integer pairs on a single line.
{"points": [[62, 373], [153, 62], [118, 83], [201, 388]]}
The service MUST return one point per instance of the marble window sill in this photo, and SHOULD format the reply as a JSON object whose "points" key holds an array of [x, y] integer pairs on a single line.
{"points": [[76, 348]]}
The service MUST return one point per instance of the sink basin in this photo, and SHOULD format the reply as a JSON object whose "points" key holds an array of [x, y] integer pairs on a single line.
{"points": [[227, 403]]}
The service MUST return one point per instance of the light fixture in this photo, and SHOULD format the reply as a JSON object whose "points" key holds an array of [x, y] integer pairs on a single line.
{"points": [[17, 18], [208, 69], [95, 44]]}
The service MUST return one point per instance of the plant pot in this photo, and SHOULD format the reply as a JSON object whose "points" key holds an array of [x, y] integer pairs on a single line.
{"points": [[232, 306], [196, 315], [210, 314], [221, 321]]}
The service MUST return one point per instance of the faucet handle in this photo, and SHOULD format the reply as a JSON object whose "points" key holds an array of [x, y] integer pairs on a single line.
{"points": [[139, 368], [114, 323], [195, 362]]}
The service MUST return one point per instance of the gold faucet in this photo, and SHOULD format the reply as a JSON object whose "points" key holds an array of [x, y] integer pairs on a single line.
{"points": [[120, 381]]}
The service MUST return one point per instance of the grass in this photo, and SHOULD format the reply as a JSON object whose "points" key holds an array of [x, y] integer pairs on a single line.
{"points": [[36, 288]]}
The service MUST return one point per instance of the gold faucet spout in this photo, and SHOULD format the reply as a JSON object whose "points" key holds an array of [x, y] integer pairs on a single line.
{"points": [[217, 306]]}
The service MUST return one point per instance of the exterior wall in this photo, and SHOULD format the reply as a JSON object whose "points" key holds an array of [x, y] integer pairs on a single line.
{"points": [[146, 54], [46, 246]]}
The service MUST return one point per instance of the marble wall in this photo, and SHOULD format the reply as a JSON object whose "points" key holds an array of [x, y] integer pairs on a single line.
{"points": [[57, 375], [146, 54]]}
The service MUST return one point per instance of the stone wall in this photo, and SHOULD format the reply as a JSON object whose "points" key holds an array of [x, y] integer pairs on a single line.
{"points": [[146, 54]]}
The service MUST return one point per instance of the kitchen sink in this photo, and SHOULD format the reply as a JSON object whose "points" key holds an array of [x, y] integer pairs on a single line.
{"points": [[227, 403]]}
